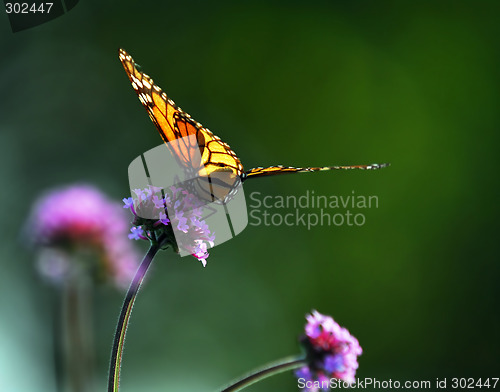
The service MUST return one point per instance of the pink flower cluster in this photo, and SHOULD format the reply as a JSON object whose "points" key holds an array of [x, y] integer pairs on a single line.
{"points": [[178, 211], [69, 222], [331, 351]]}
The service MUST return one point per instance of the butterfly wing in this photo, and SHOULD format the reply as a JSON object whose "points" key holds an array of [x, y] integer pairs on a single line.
{"points": [[217, 168], [220, 170], [277, 170], [160, 108]]}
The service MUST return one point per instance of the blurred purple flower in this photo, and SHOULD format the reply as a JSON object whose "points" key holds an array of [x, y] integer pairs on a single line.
{"points": [[331, 351], [66, 223], [137, 233], [151, 208]]}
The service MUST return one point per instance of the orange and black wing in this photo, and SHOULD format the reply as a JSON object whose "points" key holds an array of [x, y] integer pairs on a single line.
{"points": [[194, 146], [220, 170], [277, 170]]}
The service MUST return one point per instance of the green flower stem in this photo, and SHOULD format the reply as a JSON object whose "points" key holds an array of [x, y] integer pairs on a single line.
{"points": [[78, 336], [269, 370], [72, 329], [57, 333], [128, 303]]}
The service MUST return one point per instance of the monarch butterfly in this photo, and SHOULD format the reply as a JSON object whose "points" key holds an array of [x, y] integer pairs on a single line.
{"points": [[219, 171]]}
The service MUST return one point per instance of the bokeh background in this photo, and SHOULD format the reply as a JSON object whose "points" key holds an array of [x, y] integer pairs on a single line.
{"points": [[327, 82]]}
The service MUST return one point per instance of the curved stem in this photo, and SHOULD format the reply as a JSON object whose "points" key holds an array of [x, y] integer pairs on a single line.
{"points": [[128, 303], [269, 370]]}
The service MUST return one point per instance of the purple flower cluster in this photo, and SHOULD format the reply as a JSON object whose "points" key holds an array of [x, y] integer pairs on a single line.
{"points": [[65, 224], [331, 352], [177, 211]]}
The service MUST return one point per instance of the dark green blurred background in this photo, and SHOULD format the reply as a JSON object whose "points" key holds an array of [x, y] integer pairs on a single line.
{"points": [[411, 83]]}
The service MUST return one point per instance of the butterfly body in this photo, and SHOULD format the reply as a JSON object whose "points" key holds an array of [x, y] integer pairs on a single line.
{"points": [[218, 169]]}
